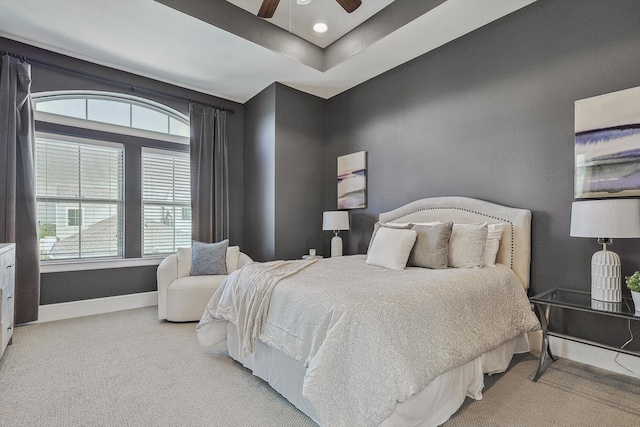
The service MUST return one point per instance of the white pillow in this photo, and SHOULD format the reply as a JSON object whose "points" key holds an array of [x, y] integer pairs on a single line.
{"points": [[494, 234], [391, 248], [184, 260], [466, 245], [377, 225]]}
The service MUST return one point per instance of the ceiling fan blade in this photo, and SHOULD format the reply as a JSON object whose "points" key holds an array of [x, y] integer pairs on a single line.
{"points": [[268, 8], [350, 5]]}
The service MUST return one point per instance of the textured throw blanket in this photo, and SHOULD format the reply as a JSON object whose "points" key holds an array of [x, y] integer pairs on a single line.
{"points": [[244, 298], [372, 337]]}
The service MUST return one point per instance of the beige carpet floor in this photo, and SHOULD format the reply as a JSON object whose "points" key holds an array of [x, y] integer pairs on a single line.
{"points": [[129, 369], [568, 394]]}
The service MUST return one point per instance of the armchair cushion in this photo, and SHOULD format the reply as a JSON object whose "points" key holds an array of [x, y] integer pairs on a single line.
{"points": [[188, 297]]}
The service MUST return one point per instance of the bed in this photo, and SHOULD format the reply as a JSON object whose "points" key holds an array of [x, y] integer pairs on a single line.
{"points": [[401, 348]]}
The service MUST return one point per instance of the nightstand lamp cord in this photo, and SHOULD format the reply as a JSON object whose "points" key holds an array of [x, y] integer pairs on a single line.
{"points": [[615, 359]]}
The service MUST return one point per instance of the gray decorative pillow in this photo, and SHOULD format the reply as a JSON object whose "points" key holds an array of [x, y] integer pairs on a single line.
{"points": [[431, 249], [377, 226], [466, 245], [209, 258]]}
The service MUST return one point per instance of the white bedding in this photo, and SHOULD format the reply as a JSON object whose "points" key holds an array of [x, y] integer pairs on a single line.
{"points": [[372, 337], [244, 299], [430, 407]]}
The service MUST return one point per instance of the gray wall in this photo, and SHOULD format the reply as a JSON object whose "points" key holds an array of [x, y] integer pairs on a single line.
{"points": [[300, 172], [491, 116], [88, 284], [73, 286], [285, 173], [260, 178]]}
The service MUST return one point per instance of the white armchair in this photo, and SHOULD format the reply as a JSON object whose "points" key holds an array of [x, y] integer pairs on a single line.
{"points": [[182, 297]]}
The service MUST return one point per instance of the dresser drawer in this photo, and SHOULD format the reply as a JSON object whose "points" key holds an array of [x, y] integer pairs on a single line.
{"points": [[6, 334], [7, 297], [7, 266], [6, 330]]}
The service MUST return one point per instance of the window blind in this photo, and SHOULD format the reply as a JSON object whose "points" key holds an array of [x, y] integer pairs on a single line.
{"points": [[166, 201], [80, 198]]}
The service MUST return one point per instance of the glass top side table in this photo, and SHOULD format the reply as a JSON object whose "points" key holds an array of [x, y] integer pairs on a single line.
{"points": [[576, 300]]}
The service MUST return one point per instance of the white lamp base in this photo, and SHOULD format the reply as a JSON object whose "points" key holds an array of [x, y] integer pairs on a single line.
{"points": [[606, 283], [336, 246]]}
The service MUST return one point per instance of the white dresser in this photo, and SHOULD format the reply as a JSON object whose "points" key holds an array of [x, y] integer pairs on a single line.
{"points": [[7, 292]]}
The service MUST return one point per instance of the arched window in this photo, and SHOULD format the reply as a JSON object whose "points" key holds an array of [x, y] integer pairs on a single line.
{"points": [[119, 110], [82, 199]]}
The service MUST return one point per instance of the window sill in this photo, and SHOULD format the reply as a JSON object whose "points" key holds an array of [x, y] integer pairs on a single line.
{"points": [[61, 266]]}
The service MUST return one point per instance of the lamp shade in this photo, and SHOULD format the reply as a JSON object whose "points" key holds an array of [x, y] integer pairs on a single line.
{"points": [[619, 218], [335, 220]]}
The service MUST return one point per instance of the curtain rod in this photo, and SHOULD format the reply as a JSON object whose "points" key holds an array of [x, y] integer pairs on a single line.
{"points": [[112, 81], [22, 58]]}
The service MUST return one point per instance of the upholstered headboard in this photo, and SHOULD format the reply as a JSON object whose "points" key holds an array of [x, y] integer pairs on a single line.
{"points": [[515, 245]]}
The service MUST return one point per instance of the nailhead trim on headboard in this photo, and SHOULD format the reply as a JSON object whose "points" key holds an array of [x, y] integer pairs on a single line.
{"points": [[470, 211]]}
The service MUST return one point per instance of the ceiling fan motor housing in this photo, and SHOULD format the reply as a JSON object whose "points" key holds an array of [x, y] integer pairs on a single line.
{"points": [[268, 7]]}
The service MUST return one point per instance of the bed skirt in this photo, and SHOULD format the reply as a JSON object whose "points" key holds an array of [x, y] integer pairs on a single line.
{"points": [[432, 406]]}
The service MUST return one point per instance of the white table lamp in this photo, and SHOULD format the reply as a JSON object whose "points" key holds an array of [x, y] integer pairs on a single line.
{"points": [[335, 221], [605, 220]]}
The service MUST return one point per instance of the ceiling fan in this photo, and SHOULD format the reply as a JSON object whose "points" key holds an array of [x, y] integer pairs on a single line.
{"points": [[268, 7]]}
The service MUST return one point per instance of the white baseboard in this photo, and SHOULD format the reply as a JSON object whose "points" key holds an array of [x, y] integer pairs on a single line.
{"points": [[69, 310], [587, 354]]}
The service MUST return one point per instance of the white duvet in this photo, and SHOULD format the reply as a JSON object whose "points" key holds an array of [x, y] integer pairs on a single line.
{"points": [[372, 337]]}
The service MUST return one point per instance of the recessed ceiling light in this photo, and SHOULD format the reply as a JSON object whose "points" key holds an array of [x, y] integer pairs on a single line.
{"points": [[320, 27], [303, 2]]}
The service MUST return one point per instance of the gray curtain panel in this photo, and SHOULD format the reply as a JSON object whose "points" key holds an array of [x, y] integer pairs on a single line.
{"points": [[18, 222], [209, 174]]}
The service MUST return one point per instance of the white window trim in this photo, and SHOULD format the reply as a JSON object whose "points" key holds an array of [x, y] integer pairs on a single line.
{"points": [[98, 264], [80, 140], [41, 116]]}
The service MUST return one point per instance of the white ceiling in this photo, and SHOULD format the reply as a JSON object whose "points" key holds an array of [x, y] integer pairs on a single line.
{"points": [[156, 41], [299, 19]]}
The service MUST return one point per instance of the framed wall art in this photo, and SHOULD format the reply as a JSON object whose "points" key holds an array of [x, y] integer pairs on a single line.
{"points": [[352, 180], [607, 145]]}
